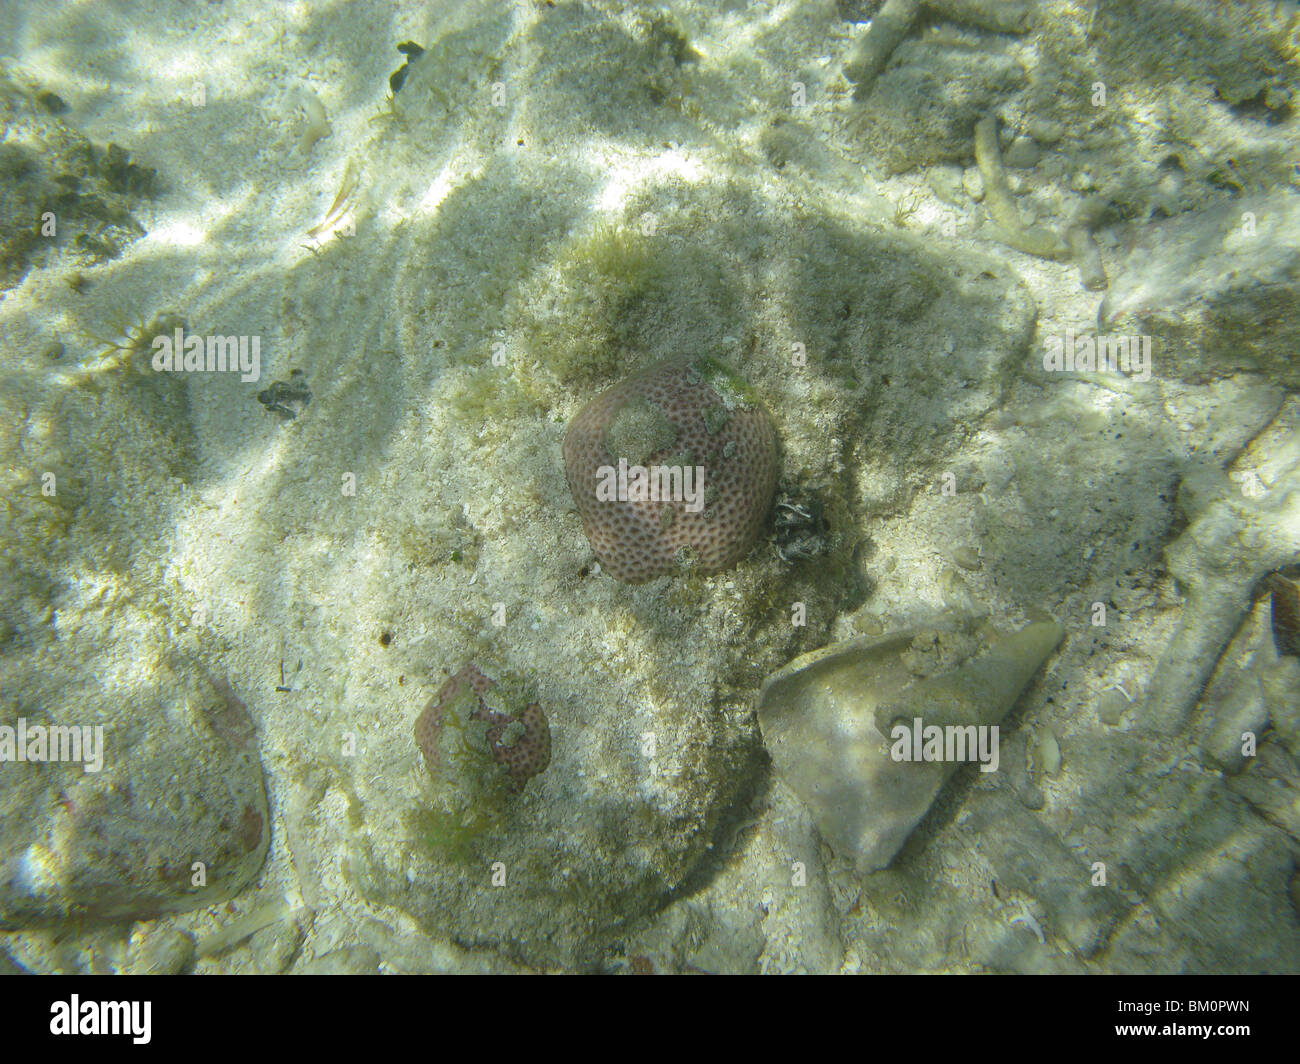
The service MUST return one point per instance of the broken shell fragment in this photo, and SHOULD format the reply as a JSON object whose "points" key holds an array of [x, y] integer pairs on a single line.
{"points": [[843, 726]]}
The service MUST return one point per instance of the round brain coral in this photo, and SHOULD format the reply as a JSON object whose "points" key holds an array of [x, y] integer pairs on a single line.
{"points": [[673, 467]]}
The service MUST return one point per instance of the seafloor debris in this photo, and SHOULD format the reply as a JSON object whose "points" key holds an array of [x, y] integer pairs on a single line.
{"points": [[1234, 541], [130, 342], [397, 78], [889, 26], [59, 189], [801, 528], [1218, 287], [1012, 231], [287, 398], [830, 720]]}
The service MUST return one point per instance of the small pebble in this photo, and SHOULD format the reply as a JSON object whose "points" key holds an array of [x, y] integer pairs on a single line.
{"points": [[274, 948], [1049, 753], [155, 950], [1111, 706], [1087, 256], [52, 102], [1046, 130], [870, 626], [1023, 154], [53, 350], [1244, 710]]}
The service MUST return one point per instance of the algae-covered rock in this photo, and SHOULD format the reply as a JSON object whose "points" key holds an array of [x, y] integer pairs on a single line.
{"points": [[839, 723], [173, 814], [163, 811], [552, 871], [1218, 290], [60, 189]]}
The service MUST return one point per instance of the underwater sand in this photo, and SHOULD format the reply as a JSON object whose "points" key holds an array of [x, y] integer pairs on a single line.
{"points": [[556, 197]]}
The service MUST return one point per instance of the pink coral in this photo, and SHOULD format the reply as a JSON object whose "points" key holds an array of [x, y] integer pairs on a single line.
{"points": [[693, 415], [520, 742]]}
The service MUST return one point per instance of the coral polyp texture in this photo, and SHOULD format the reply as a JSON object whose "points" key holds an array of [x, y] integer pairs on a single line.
{"points": [[673, 468], [520, 741]]}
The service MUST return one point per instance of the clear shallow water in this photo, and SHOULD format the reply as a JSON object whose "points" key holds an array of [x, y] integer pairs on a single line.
{"points": [[255, 580]]}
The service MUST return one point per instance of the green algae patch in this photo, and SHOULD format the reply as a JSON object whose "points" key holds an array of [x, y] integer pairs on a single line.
{"points": [[481, 742], [734, 391], [452, 833], [610, 278], [468, 791], [61, 191], [715, 419]]}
